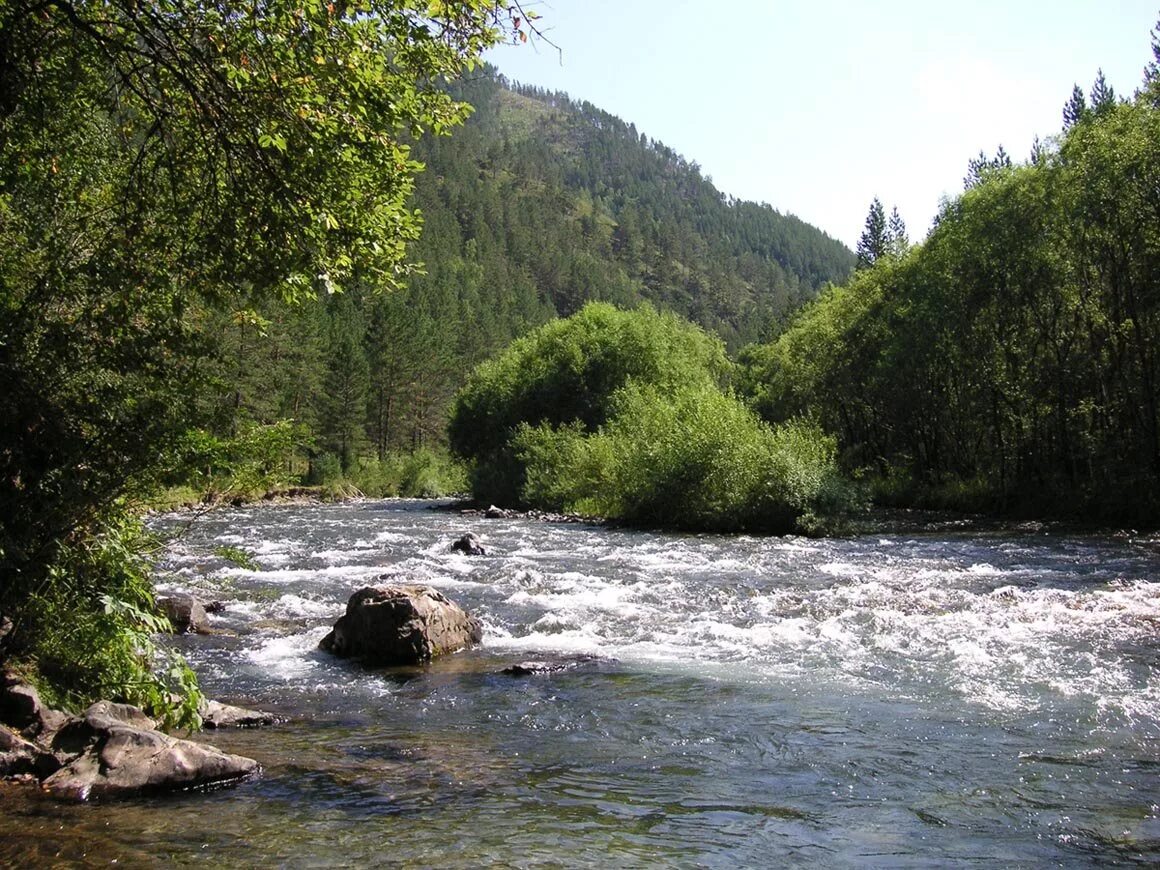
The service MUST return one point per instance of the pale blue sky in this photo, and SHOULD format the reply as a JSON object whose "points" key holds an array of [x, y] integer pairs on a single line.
{"points": [[816, 107]]}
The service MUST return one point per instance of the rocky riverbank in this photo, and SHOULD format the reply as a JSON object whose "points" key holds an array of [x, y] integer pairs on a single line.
{"points": [[111, 750]]}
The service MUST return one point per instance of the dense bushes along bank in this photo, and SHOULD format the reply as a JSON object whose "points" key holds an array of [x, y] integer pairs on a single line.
{"points": [[625, 414]]}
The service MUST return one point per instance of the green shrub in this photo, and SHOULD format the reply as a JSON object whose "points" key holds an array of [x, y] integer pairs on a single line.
{"points": [[565, 470], [423, 473], [248, 464], [427, 474], [567, 372], [378, 478], [693, 459], [325, 469], [88, 632]]}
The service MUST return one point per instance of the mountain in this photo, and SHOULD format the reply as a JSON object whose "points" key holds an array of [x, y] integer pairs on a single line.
{"points": [[579, 204], [537, 205]]}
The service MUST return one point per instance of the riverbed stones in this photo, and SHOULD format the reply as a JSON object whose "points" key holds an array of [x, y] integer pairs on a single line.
{"points": [[532, 668], [22, 709], [401, 624], [23, 758], [469, 545], [215, 714]]}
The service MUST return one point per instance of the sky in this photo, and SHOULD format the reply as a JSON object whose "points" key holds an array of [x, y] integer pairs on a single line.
{"points": [[817, 107]]}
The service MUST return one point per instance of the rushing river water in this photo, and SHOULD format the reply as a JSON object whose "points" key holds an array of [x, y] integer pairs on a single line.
{"points": [[893, 700]]}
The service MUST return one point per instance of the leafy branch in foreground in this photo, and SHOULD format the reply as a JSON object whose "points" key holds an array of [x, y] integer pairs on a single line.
{"points": [[162, 163]]}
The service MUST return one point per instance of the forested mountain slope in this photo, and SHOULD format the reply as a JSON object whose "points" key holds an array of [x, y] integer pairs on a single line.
{"points": [[585, 207], [536, 206]]}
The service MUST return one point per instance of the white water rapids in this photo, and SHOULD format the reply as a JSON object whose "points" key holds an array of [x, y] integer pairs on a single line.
{"points": [[957, 696]]}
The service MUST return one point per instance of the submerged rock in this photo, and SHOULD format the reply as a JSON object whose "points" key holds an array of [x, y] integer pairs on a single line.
{"points": [[526, 669], [530, 668], [215, 714], [401, 625], [185, 613], [469, 545]]}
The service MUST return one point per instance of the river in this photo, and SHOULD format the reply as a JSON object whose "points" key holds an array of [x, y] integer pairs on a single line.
{"points": [[956, 696]]}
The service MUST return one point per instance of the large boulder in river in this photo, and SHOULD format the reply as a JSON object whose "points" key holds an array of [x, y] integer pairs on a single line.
{"points": [[401, 625], [185, 613], [469, 545]]}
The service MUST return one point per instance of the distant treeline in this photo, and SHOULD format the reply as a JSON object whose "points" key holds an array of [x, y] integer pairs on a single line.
{"points": [[1011, 362]]}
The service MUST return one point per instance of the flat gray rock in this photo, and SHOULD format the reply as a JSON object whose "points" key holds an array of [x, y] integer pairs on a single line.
{"points": [[125, 760], [215, 714]]}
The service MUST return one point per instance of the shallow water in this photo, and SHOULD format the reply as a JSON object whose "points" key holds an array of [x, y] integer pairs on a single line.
{"points": [[891, 700]]}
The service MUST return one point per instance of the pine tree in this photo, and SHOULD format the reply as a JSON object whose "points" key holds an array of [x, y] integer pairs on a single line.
{"points": [[1103, 97], [979, 167], [899, 241], [344, 398], [393, 361], [1038, 152], [874, 242], [976, 167], [1152, 70], [1076, 109]]}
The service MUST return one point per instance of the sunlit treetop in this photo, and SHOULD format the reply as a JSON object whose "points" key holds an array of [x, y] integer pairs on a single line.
{"points": [[253, 147]]}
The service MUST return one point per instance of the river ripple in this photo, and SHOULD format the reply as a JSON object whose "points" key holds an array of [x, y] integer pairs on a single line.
{"points": [[890, 700]]}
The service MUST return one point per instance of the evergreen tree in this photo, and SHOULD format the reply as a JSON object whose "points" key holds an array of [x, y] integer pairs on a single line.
{"points": [[342, 405], [1103, 97], [899, 241], [875, 239], [1076, 108], [391, 367], [979, 167], [1038, 152], [1152, 70]]}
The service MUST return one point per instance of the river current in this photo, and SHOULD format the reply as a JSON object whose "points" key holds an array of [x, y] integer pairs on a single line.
{"points": [[956, 697]]}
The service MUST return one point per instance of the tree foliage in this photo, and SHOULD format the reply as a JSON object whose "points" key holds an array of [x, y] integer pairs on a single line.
{"points": [[538, 205], [568, 204], [1009, 362], [874, 242], [692, 458], [567, 372], [165, 166], [623, 414]]}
